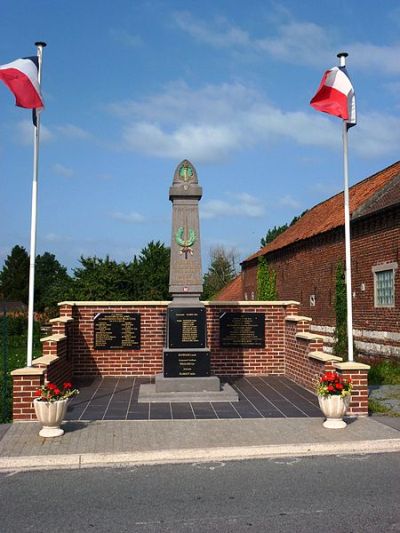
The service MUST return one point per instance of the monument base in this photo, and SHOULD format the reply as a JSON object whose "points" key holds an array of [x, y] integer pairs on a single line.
{"points": [[170, 390]]}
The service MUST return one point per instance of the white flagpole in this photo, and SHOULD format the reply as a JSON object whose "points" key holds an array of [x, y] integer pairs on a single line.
{"points": [[349, 292], [36, 132]]}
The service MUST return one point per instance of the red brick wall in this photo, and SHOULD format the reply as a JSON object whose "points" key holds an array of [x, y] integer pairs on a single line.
{"points": [[148, 360], [248, 361], [24, 388]]}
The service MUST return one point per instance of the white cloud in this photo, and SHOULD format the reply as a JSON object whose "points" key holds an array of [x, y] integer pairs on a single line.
{"points": [[375, 58], [129, 218], [73, 132], [61, 170], [24, 132], [293, 41], [212, 122], [240, 204], [289, 201], [224, 35], [124, 37], [205, 142], [56, 238]]}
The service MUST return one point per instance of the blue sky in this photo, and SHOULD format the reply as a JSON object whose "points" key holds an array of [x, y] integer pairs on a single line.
{"points": [[133, 87]]}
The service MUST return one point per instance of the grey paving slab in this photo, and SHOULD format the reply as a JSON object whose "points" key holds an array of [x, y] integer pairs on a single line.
{"points": [[22, 439]]}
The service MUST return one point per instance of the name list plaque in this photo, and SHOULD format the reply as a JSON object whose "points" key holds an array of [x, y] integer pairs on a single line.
{"points": [[186, 364], [117, 331], [242, 330], [186, 327]]}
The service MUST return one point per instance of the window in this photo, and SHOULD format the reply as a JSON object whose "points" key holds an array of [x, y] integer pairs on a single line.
{"points": [[384, 284]]}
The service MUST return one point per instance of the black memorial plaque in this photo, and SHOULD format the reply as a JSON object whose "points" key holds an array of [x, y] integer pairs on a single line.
{"points": [[117, 331], [186, 327], [186, 364], [242, 330]]}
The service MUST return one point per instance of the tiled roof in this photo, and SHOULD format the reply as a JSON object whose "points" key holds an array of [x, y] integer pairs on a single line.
{"points": [[374, 193], [232, 292]]}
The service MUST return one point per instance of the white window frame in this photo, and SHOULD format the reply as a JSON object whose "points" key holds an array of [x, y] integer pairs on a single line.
{"points": [[382, 268]]}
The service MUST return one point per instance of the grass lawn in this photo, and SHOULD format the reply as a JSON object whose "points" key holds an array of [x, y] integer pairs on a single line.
{"points": [[16, 358], [383, 373]]}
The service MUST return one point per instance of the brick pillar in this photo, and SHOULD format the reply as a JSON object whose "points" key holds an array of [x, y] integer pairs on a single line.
{"points": [[358, 372], [25, 382]]}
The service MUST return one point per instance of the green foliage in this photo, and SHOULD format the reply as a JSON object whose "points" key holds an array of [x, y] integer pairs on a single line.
{"points": [[13, 342], [100, 279], [149, 274], [375, 406], [14, 278], [273, 233], [145, 278], [220, 272], [52, 283], [266, 281], [340, 346], [384, 373]]}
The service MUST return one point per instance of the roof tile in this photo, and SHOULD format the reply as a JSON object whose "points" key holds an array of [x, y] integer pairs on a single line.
{"points": [[330, 213]]}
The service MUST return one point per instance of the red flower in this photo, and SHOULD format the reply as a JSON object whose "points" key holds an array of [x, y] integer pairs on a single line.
{"points": [[67, 385], [56, 391], [51, 386], [38, 392], [331, 388], [339, 386]]}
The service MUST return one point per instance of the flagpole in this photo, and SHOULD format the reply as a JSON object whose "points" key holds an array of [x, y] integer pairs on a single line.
{"points": [[36, 133], [349, 293]]}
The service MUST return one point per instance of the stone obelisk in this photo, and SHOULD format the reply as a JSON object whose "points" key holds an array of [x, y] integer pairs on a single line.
{"points": [[185, 279], [186, 354], [186, 373]]}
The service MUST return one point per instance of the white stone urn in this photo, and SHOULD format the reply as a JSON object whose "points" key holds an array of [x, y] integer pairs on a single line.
{"points": [[50, 415], [334, 407]]}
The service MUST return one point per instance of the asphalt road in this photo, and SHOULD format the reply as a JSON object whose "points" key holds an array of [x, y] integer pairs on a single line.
{"points": [[358, 493]]}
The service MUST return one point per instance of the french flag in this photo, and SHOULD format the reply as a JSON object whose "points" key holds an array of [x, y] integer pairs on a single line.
{"points": [[21, 77], [335, 96]]}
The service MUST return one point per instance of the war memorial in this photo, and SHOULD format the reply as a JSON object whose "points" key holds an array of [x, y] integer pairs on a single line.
{"points": [[185, 345]]}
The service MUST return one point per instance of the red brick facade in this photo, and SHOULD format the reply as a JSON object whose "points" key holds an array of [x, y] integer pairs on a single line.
{"points": [[290, 349], [306, 270]]}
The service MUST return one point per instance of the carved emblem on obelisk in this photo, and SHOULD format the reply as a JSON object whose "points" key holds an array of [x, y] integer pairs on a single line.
{"points": [[185, 266]]}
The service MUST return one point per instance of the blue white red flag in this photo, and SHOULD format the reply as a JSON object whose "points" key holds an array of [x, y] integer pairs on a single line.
{"points": [[21, 77], [335, 96]]}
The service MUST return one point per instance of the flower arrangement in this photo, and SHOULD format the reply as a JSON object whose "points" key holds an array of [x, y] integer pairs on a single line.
{"points": [[51, 393], [332, 384]]}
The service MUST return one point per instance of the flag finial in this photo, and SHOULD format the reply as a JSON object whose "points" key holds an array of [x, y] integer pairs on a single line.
{"points": [[342, 58], [40, 43]]}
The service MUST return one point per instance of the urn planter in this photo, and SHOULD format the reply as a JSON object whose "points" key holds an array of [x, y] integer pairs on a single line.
{"points": [[50, 415], [334, 408]]}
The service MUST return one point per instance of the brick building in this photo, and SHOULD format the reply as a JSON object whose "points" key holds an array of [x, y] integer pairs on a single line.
{"points": [[306, 255]]}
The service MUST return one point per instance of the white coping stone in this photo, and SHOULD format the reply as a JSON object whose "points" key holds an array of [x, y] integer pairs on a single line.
{"points": [[44, 359], [308, 336], [56, 337], [351, 365], [248, 303], [322, 356], [62, 319], [323, 329], [297, 318], [28, 371]]}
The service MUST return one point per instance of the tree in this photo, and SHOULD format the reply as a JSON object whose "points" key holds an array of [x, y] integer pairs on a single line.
{"points": [[273, 233], [220, 272], [340, 346], [100, 279], [14, 278], [266, 281], [52, 282], [151, 272]]}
